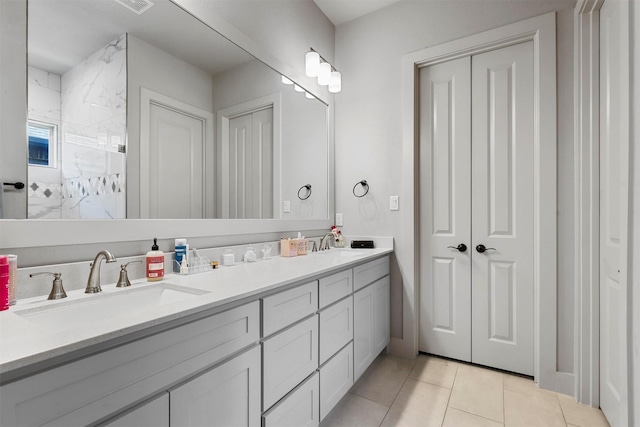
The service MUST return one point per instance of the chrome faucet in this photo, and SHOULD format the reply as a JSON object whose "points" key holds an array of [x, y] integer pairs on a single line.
{"points": [[324, 242], [93, 284]]}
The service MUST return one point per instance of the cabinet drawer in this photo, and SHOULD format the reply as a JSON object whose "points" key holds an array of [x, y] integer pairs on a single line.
{"points": [[370, 272], [336, 378], [299, 409], [227, 395], [335, 287], [288, 358], [336, 328], [287, 307], [153, 413]]}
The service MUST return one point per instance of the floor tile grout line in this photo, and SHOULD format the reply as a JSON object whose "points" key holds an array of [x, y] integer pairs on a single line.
{"points": [[396, 396], [455, 377]]}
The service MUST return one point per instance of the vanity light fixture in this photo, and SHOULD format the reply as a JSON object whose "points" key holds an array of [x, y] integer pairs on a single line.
{"points": [[317, 66]]}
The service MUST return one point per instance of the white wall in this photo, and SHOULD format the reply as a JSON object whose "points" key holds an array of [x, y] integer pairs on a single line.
{"points": [[634, 204], [368, 124], [304, 139]]}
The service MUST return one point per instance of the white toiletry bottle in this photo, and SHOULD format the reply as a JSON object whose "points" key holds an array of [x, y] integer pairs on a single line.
{"points": [[155, 263]]}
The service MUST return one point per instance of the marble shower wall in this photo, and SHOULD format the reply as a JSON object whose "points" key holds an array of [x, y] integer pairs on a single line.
{"points": [[93, 128], [44, 195]]}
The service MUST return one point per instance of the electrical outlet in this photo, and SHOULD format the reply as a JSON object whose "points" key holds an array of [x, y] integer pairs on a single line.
{"points": [[394, 203], [286, 206], [339, 220]]}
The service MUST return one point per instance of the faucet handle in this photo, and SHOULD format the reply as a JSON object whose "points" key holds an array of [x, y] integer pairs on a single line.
{"points": [[314, 247], [123, 281], [57, 290]]}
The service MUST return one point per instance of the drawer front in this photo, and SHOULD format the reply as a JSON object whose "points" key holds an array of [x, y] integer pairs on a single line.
{"points": [[336, 378], [336, 328], [370, 272], [285, 308], [96, 387], [335, 287], [299, 409], [227, 395], [288, 358]]}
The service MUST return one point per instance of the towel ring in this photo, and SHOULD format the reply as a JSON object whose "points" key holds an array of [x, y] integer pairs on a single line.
{"points": [[308, 187], [364, 185]]}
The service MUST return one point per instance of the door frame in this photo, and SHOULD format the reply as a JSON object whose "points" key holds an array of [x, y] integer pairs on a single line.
{"points": [[222, 150], [542, 31], [587, 201], [148, 97]]}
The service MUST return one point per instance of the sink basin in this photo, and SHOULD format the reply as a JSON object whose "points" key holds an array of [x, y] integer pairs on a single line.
{"points": [[104, 307]]}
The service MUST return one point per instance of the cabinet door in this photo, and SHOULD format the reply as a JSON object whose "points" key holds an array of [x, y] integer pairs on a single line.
{"points": [[336, 378], [381, 329], [300, 408], [363, 326], [227, 395], [152, 413], [336, 328], [288, 358]]}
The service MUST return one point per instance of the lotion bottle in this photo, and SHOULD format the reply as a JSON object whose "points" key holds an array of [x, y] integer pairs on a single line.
{"points": [[155, 263]]}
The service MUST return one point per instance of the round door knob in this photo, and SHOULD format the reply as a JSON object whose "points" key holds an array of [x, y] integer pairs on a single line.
{"points": [[461, 247], [483, 249]]}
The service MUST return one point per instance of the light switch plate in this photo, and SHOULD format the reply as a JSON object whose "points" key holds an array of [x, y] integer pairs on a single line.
{"points": [[286, 206], [394, 203], [338, 219]]}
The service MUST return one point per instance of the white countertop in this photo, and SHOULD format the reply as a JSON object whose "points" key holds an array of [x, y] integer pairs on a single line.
{"points": [[28, 346]]}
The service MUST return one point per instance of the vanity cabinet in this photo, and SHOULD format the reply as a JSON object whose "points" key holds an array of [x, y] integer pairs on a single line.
{"points": [[152, 413], [275, 359], [227, 395]]}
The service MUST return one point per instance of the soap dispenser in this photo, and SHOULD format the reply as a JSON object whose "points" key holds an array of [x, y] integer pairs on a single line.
{"points": [[155, 263]]}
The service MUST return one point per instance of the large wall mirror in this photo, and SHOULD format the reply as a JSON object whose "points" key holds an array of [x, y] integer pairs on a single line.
{"points": [[149, 113]]}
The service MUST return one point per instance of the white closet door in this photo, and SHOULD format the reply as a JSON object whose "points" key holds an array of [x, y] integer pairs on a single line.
{"points": [[250, 178], [614, 190], [502, 208], [445, 187], [176, 172]]}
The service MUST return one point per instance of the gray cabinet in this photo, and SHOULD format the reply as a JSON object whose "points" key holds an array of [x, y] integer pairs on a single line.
{"points": [[227, 395], [151, 413], [300, 408], [336, 378]]}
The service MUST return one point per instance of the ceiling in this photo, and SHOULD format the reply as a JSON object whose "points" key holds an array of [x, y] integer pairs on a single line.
{"points": [[62, 33], [340, 11]]}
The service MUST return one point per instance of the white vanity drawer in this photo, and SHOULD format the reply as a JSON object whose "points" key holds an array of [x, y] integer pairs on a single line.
{"points": [[287, 307], [288, 358], [299, 409], [370, 272], [334, 287], [336, 328], [336, 378]]}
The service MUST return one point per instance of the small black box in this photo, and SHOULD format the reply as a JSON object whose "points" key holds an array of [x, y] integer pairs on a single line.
{"points": [[362, 244]]}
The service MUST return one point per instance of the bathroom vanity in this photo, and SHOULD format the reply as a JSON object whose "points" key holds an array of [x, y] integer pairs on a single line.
{"points": [[271, 343]]}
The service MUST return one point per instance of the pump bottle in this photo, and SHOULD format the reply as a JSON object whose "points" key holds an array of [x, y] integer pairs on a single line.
{"points": [[155, 263]]}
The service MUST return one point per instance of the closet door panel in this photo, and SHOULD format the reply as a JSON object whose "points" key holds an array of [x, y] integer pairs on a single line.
{"points": [[445, 144]]}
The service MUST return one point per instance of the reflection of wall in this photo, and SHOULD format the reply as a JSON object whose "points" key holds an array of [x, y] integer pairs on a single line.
{"points": [[93, 106], [161, 72], [44, 186], [304, 136]]}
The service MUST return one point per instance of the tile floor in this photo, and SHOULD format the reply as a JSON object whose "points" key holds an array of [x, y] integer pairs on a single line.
{"points": [[430, 391]]}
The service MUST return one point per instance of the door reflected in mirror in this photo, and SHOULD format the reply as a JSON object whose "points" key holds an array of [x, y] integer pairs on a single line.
{"points": [[158, 116]]}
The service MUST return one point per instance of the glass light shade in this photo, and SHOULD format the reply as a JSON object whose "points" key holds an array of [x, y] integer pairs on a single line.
{"points": [[308, 95], [297, 88], [312, 64], [335, 84], [286, 81], [325, 74]]}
